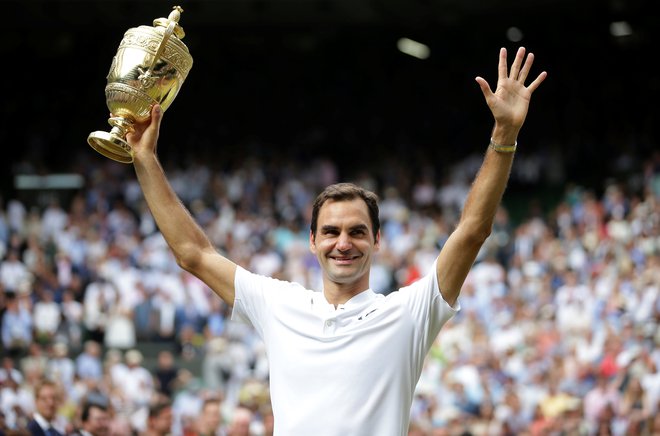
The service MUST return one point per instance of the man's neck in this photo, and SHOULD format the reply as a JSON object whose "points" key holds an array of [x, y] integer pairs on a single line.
{"points": [[337, 296]]}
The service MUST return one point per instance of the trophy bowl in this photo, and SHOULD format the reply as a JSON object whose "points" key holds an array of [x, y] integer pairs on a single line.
{"points": [[149, 67]]}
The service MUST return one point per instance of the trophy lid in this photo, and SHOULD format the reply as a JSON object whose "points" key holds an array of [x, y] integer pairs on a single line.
{"points": [[175, 15]]}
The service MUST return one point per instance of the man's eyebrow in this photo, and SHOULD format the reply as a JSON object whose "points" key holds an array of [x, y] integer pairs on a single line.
{"points": [[329, 227]]}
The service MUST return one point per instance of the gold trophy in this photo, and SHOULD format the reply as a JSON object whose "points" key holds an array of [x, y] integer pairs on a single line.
{"points": [[150, 66]]}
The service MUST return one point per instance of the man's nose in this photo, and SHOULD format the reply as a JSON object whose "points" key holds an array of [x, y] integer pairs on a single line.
{"points": [[344, 242]]}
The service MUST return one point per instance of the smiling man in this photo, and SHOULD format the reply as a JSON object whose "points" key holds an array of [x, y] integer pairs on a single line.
{"points": [[345, 360], [344, 234]]}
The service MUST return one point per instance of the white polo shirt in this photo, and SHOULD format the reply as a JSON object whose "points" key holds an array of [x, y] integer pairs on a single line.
{"points": [[345, 371]]}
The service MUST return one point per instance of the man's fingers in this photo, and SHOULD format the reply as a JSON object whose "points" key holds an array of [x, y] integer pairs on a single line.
{"points": [[535, 84], [485, 87], [517, 62], [501, 67], [156, 116], [526, 67]]}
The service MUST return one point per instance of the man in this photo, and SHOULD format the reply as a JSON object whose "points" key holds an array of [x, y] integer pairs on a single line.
{"points": [[95, 420], [89, 365], [241, 419], [346, 360], [136, 382], [159, 421], [15, 326], [47, 400], [210, 418]]}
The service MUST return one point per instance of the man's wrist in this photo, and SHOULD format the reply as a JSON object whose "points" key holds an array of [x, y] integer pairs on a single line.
{"points": [[503, 148]]}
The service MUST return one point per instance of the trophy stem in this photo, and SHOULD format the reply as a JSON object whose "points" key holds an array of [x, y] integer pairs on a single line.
{"points": [[113, 144], [120, 126]]}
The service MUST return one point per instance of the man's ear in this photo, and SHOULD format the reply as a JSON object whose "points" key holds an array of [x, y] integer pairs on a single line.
{"points": [[377, 241]]}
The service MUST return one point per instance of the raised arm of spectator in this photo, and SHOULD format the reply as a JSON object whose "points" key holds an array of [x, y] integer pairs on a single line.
{"points": [[191, 247], [508, 104]]}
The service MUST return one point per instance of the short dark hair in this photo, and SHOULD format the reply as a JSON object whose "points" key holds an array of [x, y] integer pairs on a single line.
{"points": [[46, 383], [88, 406], [346, 192], [158, 406]]}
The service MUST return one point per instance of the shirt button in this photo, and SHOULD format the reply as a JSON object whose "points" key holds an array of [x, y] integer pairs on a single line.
{"points": [[328, 323]]}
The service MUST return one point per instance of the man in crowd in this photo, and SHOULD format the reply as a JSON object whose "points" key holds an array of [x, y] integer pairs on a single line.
{"points": [[95, 420], [48, 399], [159, 421]]}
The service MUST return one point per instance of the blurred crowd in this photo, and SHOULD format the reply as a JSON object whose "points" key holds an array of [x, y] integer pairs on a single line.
{"points": [[557, 335]]}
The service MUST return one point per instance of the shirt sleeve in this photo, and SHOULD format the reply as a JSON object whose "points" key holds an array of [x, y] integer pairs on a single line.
{"points": [[249, 300], [427, 308], [256, 298]]}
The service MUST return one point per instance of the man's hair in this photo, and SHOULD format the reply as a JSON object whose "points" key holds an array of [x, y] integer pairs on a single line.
{"points": [[158, 406], [347, 192], [46, 383], [212, 401], [88, 406]]}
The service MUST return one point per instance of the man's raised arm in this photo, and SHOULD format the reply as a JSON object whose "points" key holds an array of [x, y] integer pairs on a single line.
{"points": [[191, 247], [508, 104]]}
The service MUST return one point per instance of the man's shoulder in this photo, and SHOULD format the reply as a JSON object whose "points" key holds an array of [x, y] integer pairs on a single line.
{"points": [[34, 428], [266, 282]]}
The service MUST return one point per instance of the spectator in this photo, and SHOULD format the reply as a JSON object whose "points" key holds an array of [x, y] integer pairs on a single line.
{"points": [[16, 403], [13, 272], [36, 361], [210, 419], [600, 404], [54, 219], [165, 373], [16, 326], [633, 413], [159, 422], [9, 371], [240, 422], [144, 314], [61, 367], [136, 383], [71, 330], [88, 363], [45, 420], [100, 299], [47, 316], [94, 419]]}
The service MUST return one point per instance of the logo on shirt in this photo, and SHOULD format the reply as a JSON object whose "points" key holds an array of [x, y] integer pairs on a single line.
{"points": [[365, 315]]}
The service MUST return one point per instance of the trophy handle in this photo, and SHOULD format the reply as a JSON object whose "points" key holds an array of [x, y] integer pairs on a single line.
{"points": [[146, 78]]}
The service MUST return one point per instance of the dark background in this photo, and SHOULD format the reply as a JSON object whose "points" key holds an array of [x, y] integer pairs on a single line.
{"points": [[293, 79]]}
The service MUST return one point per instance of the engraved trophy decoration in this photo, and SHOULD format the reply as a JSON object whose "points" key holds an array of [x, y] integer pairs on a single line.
{"points": [[150, 66]]}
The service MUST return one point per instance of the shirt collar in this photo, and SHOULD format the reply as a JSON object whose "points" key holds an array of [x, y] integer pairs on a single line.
{"points": [[360, 299], [43, 423]]}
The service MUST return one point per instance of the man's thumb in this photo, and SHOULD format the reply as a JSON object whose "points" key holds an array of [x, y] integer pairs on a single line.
{"points": [[157, 114]]}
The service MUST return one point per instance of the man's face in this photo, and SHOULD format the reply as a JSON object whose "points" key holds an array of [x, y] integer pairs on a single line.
{"points": [[344, 243], [98, 422], [162, 423], [211, 417], [47, 402]]}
